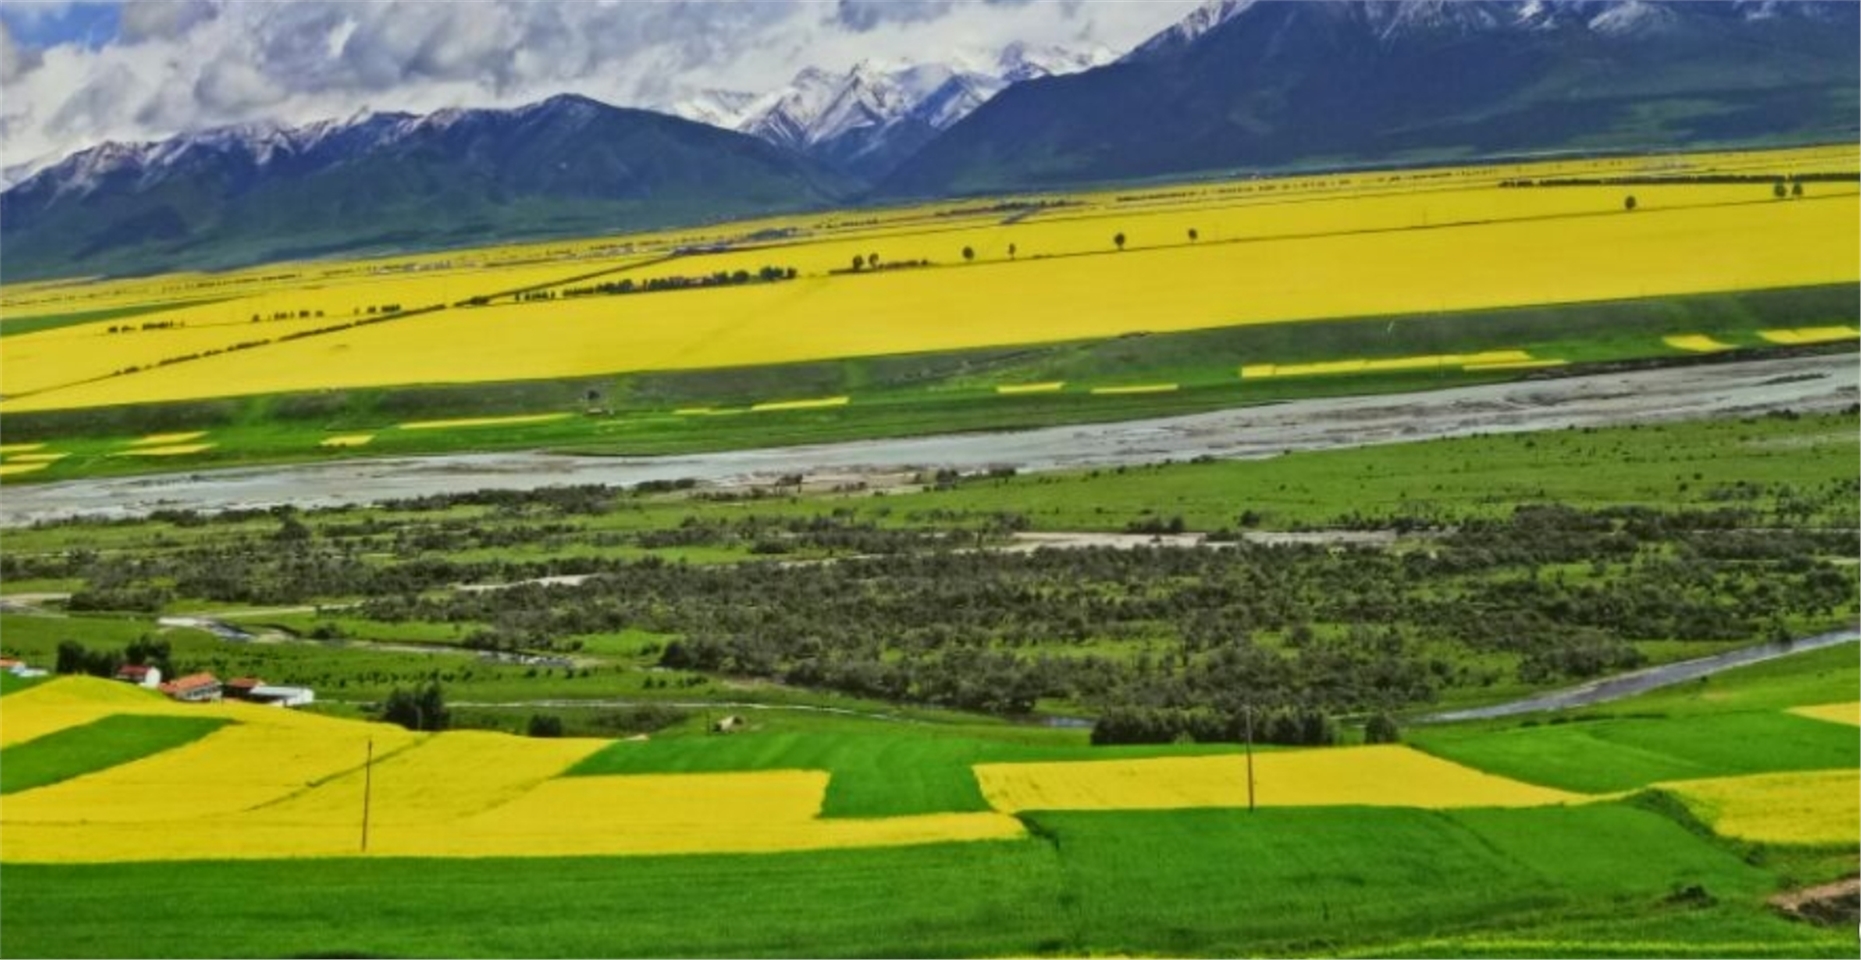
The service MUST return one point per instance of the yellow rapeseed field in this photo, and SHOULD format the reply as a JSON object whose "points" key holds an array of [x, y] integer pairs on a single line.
{"points": [[1821, 806], [177, 450], [1136, 388], [1848, 713], [166, 439], [483, 421], [277, 783], [1803, 335], [1014, 389], [347, 440], [1434, 361], [1695, 342], [14, 469], [1184, 287], [1380, 776], [815, 404], [8, 449], [35, 457]]}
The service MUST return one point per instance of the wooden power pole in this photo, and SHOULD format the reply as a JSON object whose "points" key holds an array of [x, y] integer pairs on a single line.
{"points": [[368, 785], [1249, 713]]}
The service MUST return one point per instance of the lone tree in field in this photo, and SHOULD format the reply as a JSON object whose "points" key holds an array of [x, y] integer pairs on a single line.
{"points": [[969, 253], [1628, 203], [1796, 189], [421, 710], [1011, 251], [1194, 236], [1119, 240], [872, 260], [859, 263], [1778, 191]]}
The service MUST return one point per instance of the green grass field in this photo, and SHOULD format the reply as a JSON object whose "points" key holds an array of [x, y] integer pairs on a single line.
{"points": [[1279, 882], [96, 746]]}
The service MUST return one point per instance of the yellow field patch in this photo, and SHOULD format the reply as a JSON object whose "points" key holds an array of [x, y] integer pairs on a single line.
{"points": [[1695, 342], [178, 450], [1822, 806], [1515, 365], [1378, 776], [36, 457], [8, 449], [482, 421], [14, 469], [167, 439], [693, 411], [347, 440], [1803, 335], [1848, 713], [278, 783], [816, 404], [1138, 388], [1490, 359], [1012, 389]]}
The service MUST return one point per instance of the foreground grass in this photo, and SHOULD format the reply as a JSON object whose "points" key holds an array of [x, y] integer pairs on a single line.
{"points": [[96, 746], [1279, 882]]}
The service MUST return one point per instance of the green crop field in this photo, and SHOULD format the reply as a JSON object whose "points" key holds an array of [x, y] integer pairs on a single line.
{"points": [[95, 746]]}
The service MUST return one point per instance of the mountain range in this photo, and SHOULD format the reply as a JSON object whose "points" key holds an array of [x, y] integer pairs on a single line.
{"points": [[1239, 85]]}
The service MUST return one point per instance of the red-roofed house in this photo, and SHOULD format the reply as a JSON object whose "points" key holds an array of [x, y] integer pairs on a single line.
{"points": [[140, 675], [240, 688], [193, 688]]}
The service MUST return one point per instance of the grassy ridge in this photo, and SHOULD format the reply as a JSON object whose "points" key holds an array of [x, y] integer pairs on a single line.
{"points": [[96, 746], [1282, 882]]}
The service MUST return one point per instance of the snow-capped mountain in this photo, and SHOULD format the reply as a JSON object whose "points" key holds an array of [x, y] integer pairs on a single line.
{"points": [[261, 191], [1253, 84], [866, 120]]}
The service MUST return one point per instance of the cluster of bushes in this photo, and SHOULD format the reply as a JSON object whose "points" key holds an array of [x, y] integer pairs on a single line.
{"points": [[721, 278], [74, 657], [1289, 726]]}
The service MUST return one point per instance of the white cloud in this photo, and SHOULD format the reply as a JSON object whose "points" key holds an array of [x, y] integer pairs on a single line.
{"points": [[184, 64]]}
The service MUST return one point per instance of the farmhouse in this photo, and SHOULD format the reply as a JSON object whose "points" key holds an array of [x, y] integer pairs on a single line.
{"points": [[240, 688], [282, 696], [20, 668], [141, 675], [193, 688]]}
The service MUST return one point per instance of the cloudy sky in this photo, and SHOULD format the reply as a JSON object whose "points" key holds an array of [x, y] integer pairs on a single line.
{"points": [[75, 74]]}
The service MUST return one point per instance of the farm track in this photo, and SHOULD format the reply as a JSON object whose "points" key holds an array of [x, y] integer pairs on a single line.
{"points": [[1803, 384]]}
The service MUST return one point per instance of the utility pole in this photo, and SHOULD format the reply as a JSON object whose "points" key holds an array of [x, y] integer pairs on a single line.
{"points": [[1249, 712], [368, 786]]}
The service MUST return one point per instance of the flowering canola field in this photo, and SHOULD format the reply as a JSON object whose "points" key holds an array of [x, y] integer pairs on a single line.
{"points": [[1816, 807], [1380, 776], [1185, 286]]}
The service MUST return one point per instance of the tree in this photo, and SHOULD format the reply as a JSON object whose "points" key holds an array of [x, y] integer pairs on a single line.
{"points": [[1011, 251], [969, 253], [424, 709], [1628, 203], [1119, 241], [859, 263], [1193, 235], [1779, 191], [872, 260], [1796, 189], [544, 725], [1381, 729], [70, 657]]}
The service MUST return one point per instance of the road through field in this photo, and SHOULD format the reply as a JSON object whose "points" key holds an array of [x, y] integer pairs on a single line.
{"points": [[1804, 384]]}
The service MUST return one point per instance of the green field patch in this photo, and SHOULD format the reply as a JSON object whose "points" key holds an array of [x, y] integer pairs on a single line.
{"points": [[1183, 883], [877, 770], [96, 746], [1297, 882], [1604, 755], [9, 683], [15, 326]]}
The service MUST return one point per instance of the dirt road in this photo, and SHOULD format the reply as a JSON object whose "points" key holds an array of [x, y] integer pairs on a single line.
{"points": [[1799, 383]]}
